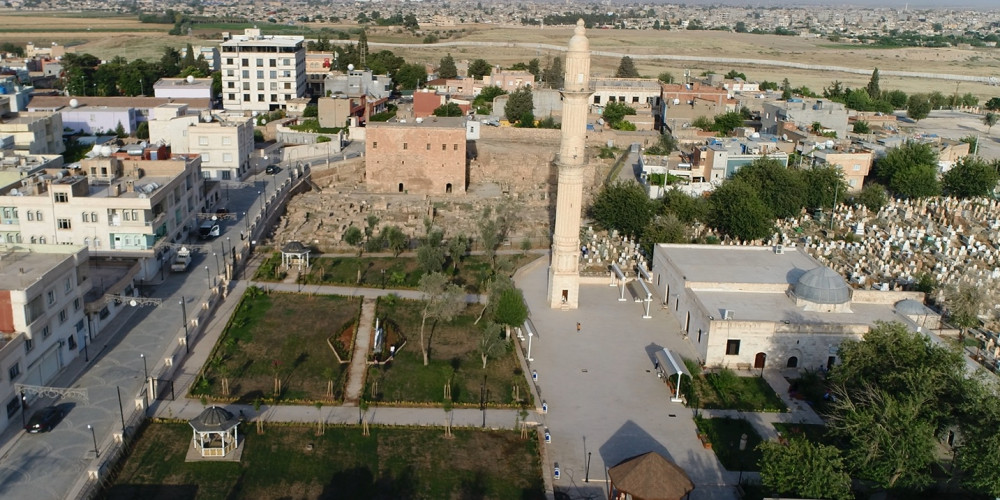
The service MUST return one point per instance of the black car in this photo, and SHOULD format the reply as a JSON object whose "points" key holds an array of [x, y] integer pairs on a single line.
{"points": [[272, 169], [44, 420]]}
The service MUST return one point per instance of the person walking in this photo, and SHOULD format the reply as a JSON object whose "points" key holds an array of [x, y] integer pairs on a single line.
{"points": [[577, 327]]}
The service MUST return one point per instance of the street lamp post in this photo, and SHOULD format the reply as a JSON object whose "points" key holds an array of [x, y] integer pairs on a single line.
{"points": [[24, 408], [216, 255], [93, 434], [482, 400], [184, 314], [121, 409], [145, 369], [246, 221], [530, 335], [586, 477], [208, 276]]}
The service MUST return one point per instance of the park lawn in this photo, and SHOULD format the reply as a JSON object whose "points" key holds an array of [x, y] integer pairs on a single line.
{"points": [[453, 357], [284, 333], [725, 434], [384, 272], [342, 464], [725, 390]]}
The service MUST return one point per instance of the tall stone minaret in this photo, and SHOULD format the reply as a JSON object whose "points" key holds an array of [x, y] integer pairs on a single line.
{"points": [[564, 269]]}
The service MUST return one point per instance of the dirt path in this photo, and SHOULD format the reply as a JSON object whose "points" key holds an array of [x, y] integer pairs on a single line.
{"points": [[359, 361]]}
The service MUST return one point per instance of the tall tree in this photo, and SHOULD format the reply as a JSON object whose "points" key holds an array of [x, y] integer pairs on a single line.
{"points": [[874, 91], [824, 187], [918, 107], [666, 77], [554, 73], [442, 301], [990, 119], [736, 210], [626, 68], [786, 90], [447, 69], [993, 104], [410, 76], [535, 69], [624, 207], [479, 68], [491, 342], [189, 58], [971, 177], [781, 189], [519, 103], [978, 457], [431, 252], [804, 469], [495, 224], [909, 171], [964, 301]]}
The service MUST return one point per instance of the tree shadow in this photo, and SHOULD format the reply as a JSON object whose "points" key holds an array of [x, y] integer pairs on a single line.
{"points": [[359, 483], [473, 488]]}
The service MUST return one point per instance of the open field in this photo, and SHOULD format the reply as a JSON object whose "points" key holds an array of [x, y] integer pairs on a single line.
{"points": [[146, 41], [292, 462], [282, 335]]}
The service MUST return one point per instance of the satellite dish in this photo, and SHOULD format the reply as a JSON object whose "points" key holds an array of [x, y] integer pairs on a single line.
{"points": [[73, 103], [350, 67], [190, 79]]}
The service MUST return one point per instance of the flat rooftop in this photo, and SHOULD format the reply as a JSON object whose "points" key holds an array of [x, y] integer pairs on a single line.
{"points": [[779, 308], [429, 122], [19, 270], [738, 264]]}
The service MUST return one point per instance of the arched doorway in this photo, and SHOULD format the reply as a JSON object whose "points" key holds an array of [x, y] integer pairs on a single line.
{"points": [[793, 362], [447, 188], [400, 187], [759, 359]]}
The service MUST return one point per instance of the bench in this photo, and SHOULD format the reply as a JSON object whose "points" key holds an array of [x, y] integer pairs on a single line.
{"points": [[743, 366]]}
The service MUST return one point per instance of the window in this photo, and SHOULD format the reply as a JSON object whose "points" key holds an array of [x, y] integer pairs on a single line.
{"points": [[428, 146], [14, 371], [227, 141], [456, 148], [38, 215], [61, 197], [273, 74], [93, 216], [62, 316], [206, 157], [272, 63], [635, 99], [231, 85], [260, 74], [63, 223], [232, 97], [444, 147], [857, 166], [246, 85], [246, 62], [246, 73], [260, 62], [68, 285], [229, 60], [13, 406], [71, 340], [86, 217], [246, 97], [227, 157], [202, 141], [29, 344], [286, 62], [50, 297], [732, 347], [597, 99], [260, 85], [31, 215], [260, 97], [76, 304], [405, 146], [375, 145]]}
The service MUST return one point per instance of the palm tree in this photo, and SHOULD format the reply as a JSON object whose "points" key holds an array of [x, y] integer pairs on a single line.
{"points": [[990, 120]]}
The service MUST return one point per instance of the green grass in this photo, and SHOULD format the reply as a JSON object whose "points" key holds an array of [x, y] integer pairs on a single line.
{"points": [[725, 390], [453, 358], [284, 334], [813, 432], [725, 434], [342, 464], [399, 272]]}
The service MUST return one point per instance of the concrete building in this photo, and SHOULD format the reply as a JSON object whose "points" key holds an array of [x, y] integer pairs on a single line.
{"points": [[802, 114], [53, 51], [426, 156], [749, 307], [356, 83], [224, 140], [183, 88], [42, 321], [209, 53], [507, 79], [90, 114], [14, 97], [721, 158], [336, 111], [123, 203], [681, 103], [34, 132], [643, 94], [564, 268], [854, 163], [426, 101], [262, 72]]}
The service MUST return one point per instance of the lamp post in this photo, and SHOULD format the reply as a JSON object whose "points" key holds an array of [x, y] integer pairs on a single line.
{"points": [[208, 275], [530, 334], [246, 221], [24, 407], [145, 369], [586, 476], [184, 314], [93, 434], [121, 409], [216, 255]]}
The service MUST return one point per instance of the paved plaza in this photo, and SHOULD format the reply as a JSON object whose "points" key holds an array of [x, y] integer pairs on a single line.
{"points": [[604, 399]]}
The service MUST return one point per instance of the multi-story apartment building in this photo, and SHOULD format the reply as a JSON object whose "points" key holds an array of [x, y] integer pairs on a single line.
{"points": [[262, 72], [425, 156], [124, 203], [853, 162], [210, 54], [682, 103], [224, 140], [42, 320], [830, 115], [34, 133], [507, 79]]}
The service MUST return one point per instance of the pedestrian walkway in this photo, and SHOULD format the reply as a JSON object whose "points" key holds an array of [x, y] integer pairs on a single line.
{"points": [[351, 291], [362, 346], [799, 412]]}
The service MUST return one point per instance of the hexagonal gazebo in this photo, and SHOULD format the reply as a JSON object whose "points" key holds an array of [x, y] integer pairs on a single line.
{"points": [[215, 433], [294, 253]]}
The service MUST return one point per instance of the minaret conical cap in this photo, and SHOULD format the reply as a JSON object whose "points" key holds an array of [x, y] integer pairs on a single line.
{"points": [[579, 41]]}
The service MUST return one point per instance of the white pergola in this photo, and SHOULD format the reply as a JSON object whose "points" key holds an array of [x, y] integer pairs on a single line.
{"points": [[215, 432], [294, 253]]}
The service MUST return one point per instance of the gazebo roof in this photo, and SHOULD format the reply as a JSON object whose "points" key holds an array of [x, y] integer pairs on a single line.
{"points": [[214, 419], [294, 247], [650, 476]]}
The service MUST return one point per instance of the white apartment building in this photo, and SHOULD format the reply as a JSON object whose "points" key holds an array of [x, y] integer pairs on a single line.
{"points": [[34, 132], [183, 88], [262, 72], [42, 320], [119, 204], [224, 140]]}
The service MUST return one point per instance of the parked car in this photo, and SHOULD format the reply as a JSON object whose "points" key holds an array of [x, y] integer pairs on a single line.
{"points": [[44, 420], [272, 169], [222, 211]]}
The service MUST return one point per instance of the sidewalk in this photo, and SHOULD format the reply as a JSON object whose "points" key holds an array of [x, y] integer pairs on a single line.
{"points": [[351, 291]]}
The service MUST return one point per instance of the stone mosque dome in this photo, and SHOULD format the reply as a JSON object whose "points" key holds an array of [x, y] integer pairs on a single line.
{"points": [[822, 285]]}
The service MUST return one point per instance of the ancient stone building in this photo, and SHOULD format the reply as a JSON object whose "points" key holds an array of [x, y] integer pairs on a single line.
{"points": [[427, 156]]}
